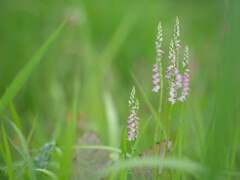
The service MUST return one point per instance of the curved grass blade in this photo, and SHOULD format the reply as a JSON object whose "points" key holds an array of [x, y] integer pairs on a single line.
{"points": [[26, 71], [32, 130], [184, 165], [98, 147], [48, 173], [28, 159], [148, 103], [8, 156], [15, 116]]}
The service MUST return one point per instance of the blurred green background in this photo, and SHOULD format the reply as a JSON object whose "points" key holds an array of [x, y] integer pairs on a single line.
{"points": [[101, 44]]}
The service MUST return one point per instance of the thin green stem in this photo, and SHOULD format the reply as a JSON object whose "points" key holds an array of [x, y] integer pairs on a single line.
{"points": [[168, 132], [161, 137], [178, 143], [158, 120]]}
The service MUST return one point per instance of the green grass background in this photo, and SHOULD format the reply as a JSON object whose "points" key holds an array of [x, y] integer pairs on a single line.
{"points": [[102, 43]]}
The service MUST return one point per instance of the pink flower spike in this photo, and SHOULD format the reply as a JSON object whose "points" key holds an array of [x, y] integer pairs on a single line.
{"points": [[137, 118]]}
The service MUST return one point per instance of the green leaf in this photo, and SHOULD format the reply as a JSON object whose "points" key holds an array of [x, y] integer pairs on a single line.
{"points": [[26, 71], [20, 171], [8, 156], [44, 155]]}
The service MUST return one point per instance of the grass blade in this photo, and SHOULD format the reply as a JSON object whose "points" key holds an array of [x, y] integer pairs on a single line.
{"points": [[8, 156], [26, 71], [32, 130], [69, 140], [47, 172], [123, 173], [109, 148], [184, 165], [15, 116], [112, 120], [28, 158], [148, 103]]}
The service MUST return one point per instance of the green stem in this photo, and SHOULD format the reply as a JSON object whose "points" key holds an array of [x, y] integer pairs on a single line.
{"points": [[158, 120], [161, 137], [179, 140], [168, 132]]}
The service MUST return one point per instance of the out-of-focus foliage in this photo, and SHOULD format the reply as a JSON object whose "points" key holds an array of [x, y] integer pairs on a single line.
{"points": [[102, 43]]}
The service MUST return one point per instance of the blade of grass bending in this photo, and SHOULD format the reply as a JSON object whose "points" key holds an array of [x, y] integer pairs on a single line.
{"points": [[28, 158], [69, 140], [144, 96], [109, 148], [32, 130], [8, 155], [48, 173], [148, 102], [184, 165], [26, 71], [15, 116]]}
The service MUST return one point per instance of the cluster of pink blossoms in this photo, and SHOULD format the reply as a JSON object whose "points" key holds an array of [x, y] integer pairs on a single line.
{"points": [[186, 77], [133, 119], [175, 78], [156, 79], [185, 86], [157, 65], [133, 125]]}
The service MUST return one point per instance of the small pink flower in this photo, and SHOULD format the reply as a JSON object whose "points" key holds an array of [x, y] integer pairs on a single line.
{"points": [[156, 88]]}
